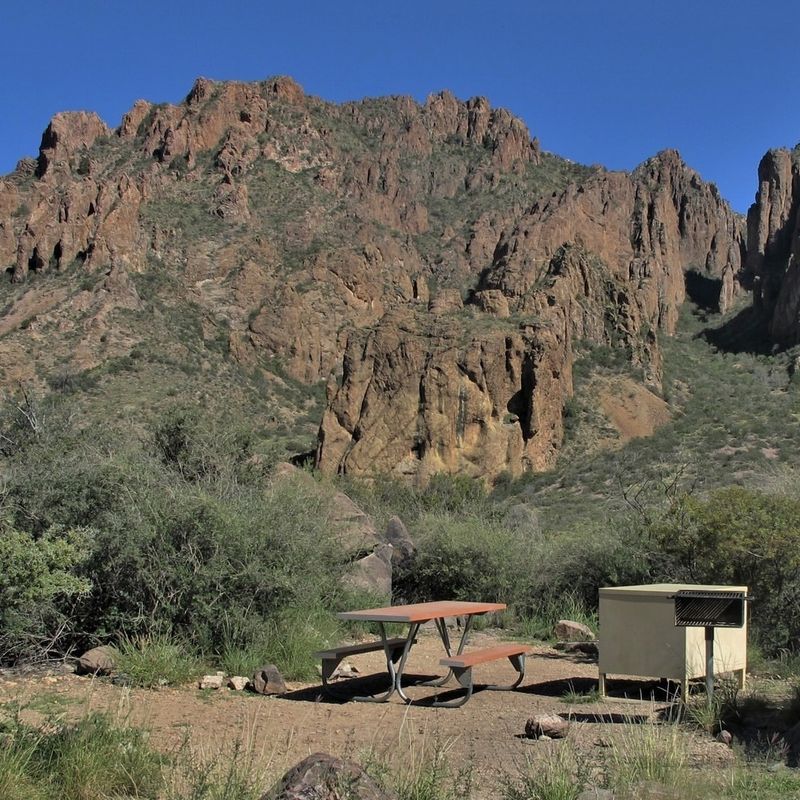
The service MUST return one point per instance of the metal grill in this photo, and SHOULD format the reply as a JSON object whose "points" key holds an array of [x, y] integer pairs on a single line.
{"points": [[697, 608]]}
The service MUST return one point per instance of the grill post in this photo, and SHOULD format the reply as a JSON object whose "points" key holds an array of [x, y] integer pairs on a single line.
{"points": [[710, 664]]}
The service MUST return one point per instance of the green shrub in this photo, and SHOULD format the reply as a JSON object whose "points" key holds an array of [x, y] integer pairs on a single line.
{"points": [[37, 575], [428, 775], [740, 536], [232, 774], [464, 558], [647, 754]]}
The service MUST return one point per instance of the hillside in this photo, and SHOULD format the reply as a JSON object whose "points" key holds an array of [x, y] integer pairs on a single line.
{"points": [[430, 265]]}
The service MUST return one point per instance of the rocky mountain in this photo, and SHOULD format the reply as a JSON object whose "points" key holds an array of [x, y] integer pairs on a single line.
{"points": [[773, 250], [429, 262]]}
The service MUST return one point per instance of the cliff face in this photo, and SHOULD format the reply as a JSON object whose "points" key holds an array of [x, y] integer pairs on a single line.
{"points": [[602, 262], [773, 244], [429, 256]]}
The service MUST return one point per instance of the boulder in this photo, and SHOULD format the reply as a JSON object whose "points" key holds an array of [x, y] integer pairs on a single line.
{"points": [[398, 537], [98, 661], [324, 777], [212, 681], [551, 726], [268, 680], [373, 573], [568, 631], [238, 683], [355, 529]]}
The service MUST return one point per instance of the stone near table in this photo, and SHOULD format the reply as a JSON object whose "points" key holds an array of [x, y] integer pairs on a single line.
{"points": [[584, 648], [567, 630], [268, 680], [552, 726], [211, 681], [345, 670]]}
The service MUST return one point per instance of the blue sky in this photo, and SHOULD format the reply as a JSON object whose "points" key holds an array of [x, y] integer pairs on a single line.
{"points": [[600, 82]]}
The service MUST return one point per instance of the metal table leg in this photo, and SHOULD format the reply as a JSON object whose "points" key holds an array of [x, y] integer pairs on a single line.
{"points": [[441, 626], [395, 660]]}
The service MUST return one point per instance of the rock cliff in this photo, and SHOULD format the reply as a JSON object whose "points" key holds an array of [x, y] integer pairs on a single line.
{"points": [[482, 392], [773, 245]]}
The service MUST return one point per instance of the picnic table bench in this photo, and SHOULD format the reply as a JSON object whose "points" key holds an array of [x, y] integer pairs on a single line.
{"points": [[462, 665], [459, 664], [332, 657]]}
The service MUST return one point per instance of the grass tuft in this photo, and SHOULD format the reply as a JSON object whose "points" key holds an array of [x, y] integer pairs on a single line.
{"points": [[647, 754], [157, 660], [560, 775]]}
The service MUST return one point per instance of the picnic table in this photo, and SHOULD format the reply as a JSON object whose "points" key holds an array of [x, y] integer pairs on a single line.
{"points": [[396, 650]]}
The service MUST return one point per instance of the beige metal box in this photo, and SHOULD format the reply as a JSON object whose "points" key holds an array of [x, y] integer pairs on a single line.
{"points": [[638, 636]]}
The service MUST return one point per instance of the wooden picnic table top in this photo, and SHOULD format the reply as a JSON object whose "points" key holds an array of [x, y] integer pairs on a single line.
{"points": [[422, 612]]}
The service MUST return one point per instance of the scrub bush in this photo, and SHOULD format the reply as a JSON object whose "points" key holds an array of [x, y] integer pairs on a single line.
{"points": [[739, 536]]}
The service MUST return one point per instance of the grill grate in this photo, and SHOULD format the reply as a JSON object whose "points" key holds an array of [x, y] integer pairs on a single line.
{"points": [[696, 608]]}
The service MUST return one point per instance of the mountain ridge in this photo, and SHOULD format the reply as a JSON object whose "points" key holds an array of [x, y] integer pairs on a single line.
{"points": [[298, 231]]}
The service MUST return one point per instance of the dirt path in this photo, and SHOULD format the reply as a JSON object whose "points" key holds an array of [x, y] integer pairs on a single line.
{"points": [[486, 733]]}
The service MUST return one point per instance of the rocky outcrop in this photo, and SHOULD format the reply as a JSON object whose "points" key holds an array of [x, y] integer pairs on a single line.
{"points": [[421, 396], [647, 228], [773, 245], [66, 142], [603, 262]]}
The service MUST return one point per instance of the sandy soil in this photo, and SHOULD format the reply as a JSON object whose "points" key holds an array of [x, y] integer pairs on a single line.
{"points": [[486, 733], [631, 408]]}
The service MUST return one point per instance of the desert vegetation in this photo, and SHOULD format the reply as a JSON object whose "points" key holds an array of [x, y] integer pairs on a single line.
{"points": [[177, 529], [178, 541]]}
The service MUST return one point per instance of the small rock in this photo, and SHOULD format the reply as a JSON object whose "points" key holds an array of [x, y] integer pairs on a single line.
{"points": [[346, 670], [238, 683], [97, 661], [552, 726], [566, 630], [726, 737], [211, 681], [268, 680]]}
